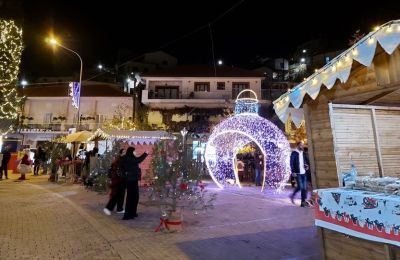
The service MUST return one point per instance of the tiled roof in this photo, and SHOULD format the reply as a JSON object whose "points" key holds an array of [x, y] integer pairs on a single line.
{"points": [[89, 89], [204, 71]]}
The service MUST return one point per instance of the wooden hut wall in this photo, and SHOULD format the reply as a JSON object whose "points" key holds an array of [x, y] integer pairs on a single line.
{"points": [[365, 86]]}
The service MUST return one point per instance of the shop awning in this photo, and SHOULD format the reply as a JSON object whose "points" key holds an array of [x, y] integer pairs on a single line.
{"points": [[339, 68], [131, 135]]}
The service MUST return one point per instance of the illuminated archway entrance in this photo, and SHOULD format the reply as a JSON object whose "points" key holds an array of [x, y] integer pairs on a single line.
{"points": [[232, 134]]}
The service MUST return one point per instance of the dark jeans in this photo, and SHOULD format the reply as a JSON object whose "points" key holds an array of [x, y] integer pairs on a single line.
{"points": [[3, 168], [258, 177], [301, 180], [132, 199], [117, 197], [36, 167]]}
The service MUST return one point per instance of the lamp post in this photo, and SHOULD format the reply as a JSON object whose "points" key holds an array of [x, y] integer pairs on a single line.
{"points": [[54, 42], [184, 132]]}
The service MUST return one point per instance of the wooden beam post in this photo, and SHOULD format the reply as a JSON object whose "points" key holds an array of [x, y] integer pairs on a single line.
{"points": [[377, 143]]}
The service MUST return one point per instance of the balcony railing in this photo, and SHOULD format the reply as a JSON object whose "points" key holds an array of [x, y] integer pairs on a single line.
{"points": [[60, 127]]}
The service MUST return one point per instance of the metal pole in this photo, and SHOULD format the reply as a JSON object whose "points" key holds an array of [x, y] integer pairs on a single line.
{"points": [[80, 82]]}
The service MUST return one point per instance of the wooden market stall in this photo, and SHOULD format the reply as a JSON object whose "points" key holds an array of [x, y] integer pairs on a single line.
{"points": [[142, 141], [354, 117]]}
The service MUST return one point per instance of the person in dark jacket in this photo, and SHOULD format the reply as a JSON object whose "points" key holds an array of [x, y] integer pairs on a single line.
{"points": [[299, 166], [4, 162], [38, 160], [117, 194], [258, 167], [129, 167]]}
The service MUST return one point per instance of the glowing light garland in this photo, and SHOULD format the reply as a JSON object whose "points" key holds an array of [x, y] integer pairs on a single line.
{"points": [[10, 58], [10, 51], [232, 134]]}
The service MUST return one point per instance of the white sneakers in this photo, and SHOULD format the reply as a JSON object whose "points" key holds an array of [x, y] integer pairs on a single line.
{"points": [[107, 211]]}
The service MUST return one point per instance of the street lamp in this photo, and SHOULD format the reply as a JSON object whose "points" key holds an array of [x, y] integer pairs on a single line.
{"points": [[54, 42], [24, 83], [184, 132]]}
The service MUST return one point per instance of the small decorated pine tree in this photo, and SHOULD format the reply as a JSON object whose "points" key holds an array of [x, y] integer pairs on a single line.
{"points": [[177, 181]]}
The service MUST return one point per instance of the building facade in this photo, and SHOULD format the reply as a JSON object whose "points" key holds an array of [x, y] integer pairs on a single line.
{"points": [[190, 94], [48, 110]]}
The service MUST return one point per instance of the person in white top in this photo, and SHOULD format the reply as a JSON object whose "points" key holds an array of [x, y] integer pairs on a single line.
{"points": [[299, 166]]}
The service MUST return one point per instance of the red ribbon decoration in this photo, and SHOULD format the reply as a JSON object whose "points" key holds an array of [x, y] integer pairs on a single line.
{"points": [[166, 222]]}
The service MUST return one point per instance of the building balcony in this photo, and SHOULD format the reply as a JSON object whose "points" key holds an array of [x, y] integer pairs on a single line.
{"points": [[59, 127], [198, 99]]}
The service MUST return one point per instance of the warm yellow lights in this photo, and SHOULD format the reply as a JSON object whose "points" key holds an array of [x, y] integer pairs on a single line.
{"points": [[354, 52], [314, 82], [389, 29], [52, 41], [376, 28], [371, 41]]}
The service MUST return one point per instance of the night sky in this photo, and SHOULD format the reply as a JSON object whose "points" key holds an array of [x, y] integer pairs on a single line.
{"points": [[111, 32]]}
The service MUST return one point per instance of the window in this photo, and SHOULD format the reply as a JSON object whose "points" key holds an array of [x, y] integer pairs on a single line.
{"points": [[167, 92], [239, 86], [202, 86], [220, 85], [48, 117]]}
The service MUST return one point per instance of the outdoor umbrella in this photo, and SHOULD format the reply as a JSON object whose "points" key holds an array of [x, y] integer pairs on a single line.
{"points": [[82, 136]]}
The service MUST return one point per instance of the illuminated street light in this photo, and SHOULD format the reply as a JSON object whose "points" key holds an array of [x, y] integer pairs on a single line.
{"points": [[100, 67], [24, 83], [54, 42], [303, 60], [220, 62]]}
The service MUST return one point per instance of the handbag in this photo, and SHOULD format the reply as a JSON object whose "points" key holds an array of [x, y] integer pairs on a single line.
{"points": [[19, 167], [24, 169]]}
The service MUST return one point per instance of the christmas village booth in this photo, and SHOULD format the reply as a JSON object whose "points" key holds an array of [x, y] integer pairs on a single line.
{"points": [[352, 114], [142, 141]]}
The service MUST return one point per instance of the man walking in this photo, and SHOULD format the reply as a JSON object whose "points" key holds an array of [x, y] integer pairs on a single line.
{"points": [[299, 166], [258, 165], [4, 162]]}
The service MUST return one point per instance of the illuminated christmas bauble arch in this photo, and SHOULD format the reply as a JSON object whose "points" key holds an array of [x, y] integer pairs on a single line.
{"points": [[237, 131]]}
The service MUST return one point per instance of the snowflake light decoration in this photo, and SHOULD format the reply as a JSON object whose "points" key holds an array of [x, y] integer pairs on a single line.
{"points": [[232, 134]]}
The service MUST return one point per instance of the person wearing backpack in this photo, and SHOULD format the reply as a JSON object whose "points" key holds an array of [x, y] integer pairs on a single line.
{"points": [[129, 168], [118, 186]]}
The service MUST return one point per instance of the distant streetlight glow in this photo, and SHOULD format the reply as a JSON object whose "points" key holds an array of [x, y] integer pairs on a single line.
{"points": [[220, 62], [304, 51], [100, 67], [24, 83], [302, 60]]}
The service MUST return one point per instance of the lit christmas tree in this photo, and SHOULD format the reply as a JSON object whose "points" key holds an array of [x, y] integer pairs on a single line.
{"points": [[10, 58], [121, 119]]}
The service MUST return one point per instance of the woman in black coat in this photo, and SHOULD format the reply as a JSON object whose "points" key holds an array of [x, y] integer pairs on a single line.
{"points": [[130, 170]]}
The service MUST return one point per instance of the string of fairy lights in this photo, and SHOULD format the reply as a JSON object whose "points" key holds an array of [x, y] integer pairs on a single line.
{"points": [[11, 46], [345, 59]]}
